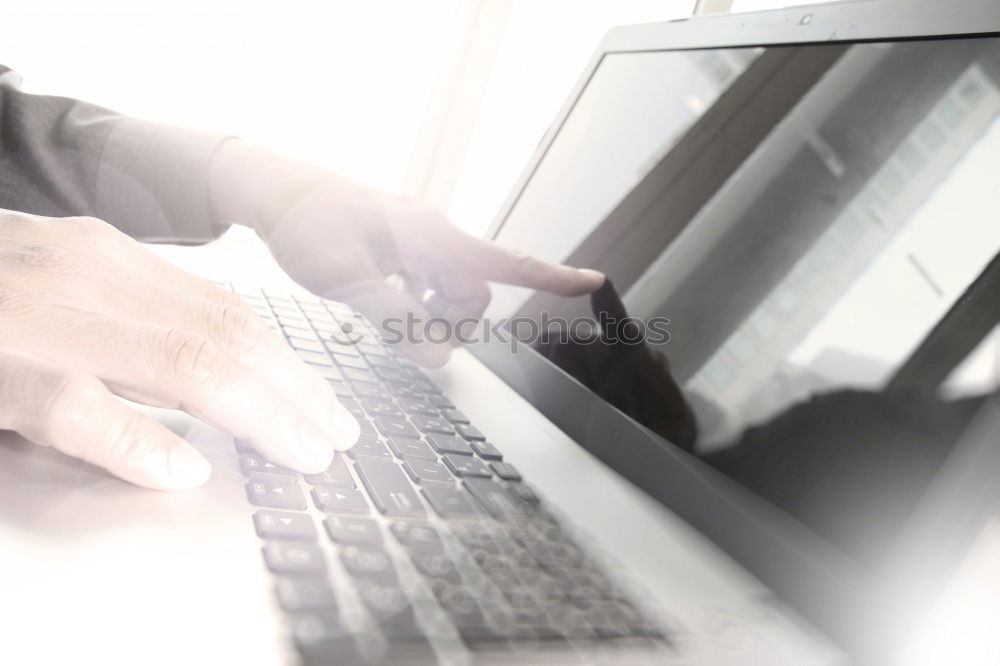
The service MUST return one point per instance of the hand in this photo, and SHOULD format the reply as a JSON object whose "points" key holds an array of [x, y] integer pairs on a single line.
{"points": [[377, 252], [88, 313]]}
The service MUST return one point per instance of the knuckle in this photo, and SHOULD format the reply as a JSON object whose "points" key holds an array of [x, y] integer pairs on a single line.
{"points": [[71, 405], [238, 329], [40, 257], [16, 301], [191, 358], [128, 443], [522, 260], [224, 297]]}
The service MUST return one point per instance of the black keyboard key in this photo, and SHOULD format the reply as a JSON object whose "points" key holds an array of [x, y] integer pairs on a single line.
{"points": [[349, 361], [357, 376], [525, 493], [412, 407], [450, 502], [387, 603], [369, 391], [506, 471], [395, 427], [336, 475], [329, 373], [487, 451], [427, 387], [305, 344], [382, 407], [369, 350], [294, 558], [316, 358], [466, 466], [369, 446], [341, 388], [470, 432], [349, 530], [376, 361], [441, 401], [429, 424], [299, 332], [434, 564], [526, 606], [416, 536], [297, 595], [495, 498], [393, 375], [476, 537], [409, 393], [367, 562], [287, 310], [254, 464], [411, 448], [389, 488], [324, 638], [448, 444], [284, 525], [340, 500], [275, 494], [458, 602], [314, 310], [422, 471], [354, 407], [392, 426], [454, 416]]}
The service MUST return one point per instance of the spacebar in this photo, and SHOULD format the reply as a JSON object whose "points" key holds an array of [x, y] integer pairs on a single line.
{"points": [[388, 486]]}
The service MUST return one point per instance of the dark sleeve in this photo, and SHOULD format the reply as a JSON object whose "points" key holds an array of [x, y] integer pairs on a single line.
{"points": [[62, 157]]}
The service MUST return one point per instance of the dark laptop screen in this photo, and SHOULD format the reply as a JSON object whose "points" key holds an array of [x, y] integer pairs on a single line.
{"points": [[817, 228]]}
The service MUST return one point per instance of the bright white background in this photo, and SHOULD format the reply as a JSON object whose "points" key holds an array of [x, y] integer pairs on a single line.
{"points": [[340, 84]]}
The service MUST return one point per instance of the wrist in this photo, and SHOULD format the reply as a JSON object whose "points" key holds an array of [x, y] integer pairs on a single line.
{"points": [[249, 185]]}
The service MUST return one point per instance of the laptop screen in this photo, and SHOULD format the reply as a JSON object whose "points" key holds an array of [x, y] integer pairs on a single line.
{"points": [[808, 236]]}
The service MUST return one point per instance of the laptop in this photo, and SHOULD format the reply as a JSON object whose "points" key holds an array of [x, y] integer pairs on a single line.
{"points": [[769, 439]]}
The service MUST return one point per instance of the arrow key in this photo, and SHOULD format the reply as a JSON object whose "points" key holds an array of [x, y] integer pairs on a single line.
{"points": [[284, 525], [340, 500], [254, 464], [276, 494]]}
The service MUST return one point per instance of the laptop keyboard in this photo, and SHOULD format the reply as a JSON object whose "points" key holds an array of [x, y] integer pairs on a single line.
{"points": [[421, 542]]}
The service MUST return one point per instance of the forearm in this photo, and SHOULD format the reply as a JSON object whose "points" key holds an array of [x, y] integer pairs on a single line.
{"points": [[62, 157]]}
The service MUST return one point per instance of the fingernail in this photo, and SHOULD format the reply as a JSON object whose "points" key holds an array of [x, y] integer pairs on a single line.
{"points": [[188, 467], [345, 428]]}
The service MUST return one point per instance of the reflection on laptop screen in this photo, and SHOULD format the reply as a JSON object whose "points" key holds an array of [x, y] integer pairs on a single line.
{"points": [[820, 225]]}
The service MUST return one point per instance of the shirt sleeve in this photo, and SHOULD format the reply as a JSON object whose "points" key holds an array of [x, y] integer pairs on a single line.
{"points": [[63, 157]]}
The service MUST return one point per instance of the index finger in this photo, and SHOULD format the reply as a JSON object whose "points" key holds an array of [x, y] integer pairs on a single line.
{"points": [[500, 264]]}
